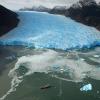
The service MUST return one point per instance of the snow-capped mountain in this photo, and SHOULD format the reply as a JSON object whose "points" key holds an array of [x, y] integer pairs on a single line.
{"points": [[83, 3], [86, 12], [36, 8]]}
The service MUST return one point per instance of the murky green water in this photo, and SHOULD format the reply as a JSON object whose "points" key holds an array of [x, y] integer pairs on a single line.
{"points": [[24, 71]]}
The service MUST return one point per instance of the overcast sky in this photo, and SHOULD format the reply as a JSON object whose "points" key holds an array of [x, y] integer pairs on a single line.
{"points": [[17, 4]]}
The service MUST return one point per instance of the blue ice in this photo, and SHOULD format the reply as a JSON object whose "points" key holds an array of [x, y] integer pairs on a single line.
{"points": [[87, 87], [43, 30]]}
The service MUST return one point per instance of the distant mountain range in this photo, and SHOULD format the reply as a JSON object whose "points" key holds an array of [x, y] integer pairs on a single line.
{"points": [[84, 11], [40, 9], [8, 20]]}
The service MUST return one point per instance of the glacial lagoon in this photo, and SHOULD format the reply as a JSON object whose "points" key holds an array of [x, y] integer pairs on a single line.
{"points": [[49, 57]]}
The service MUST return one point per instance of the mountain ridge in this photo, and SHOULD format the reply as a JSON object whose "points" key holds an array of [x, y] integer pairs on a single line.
{"points": [[83, 11], [8, 20]]}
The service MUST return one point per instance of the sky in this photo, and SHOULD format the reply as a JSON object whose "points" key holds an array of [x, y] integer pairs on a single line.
{"points": [[18, 4]]}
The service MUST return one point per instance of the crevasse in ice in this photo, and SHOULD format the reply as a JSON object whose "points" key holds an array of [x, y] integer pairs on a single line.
{"points": [[43, 30]]}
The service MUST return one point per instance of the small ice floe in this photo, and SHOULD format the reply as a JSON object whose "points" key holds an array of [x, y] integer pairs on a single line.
{"points": [[87, 87], [61, 70], [82, 59], [96, 56]]}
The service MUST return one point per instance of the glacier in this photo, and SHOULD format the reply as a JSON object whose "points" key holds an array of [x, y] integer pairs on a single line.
{"points": [[43, 30]]}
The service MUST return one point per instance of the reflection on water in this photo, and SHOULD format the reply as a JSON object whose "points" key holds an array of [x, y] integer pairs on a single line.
{"points": [[74, 67]]}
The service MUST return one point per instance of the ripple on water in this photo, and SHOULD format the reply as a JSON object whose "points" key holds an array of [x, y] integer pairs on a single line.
{"points": [[69, 66]]}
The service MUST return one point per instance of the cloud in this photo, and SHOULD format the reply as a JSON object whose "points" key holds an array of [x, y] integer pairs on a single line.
{"points": [[17, 4]]}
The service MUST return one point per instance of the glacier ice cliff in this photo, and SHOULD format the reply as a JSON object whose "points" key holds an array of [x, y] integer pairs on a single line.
{"points": [[43, 30]]}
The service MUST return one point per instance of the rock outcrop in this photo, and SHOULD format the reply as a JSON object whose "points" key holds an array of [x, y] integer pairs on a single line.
{"points": [[8, 20], [86, 12]]}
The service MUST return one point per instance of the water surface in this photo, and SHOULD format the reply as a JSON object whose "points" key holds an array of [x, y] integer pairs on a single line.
{"points": [[25, 70]]}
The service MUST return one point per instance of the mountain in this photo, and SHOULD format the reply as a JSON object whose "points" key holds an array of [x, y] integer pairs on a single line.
{"points": [[8, 20], [38, 8], [86, 12], [58, 10]]}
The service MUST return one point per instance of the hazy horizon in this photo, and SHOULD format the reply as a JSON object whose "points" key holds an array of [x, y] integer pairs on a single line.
{"points": [[18, 4]]}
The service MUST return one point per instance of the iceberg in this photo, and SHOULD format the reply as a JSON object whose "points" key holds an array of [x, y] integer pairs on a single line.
{"points": [[43, 30], [87, 87]]}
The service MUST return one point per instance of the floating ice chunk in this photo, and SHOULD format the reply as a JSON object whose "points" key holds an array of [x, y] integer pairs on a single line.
{"points": [[82, 59], [87, 87], [96, 56]]}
